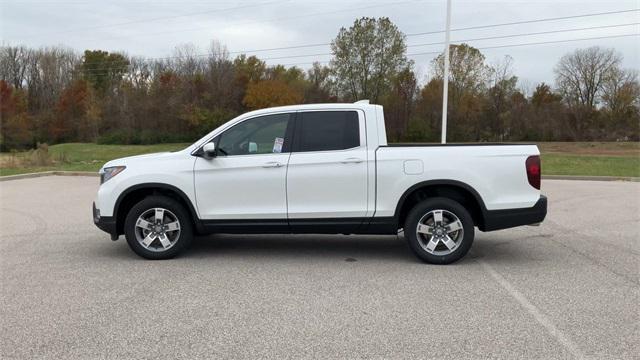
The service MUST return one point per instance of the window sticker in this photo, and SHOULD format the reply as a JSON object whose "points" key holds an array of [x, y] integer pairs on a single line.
{"points": [[277, 145]]}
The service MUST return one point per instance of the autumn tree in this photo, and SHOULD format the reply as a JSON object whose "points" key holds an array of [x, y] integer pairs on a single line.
{"points": [[367, 56], [249, 68], [468, 77], [424, 125], [71, 122], [15, 124], [269, 93], [319, 85], [547, 114], [468, 72], [399, 103]]}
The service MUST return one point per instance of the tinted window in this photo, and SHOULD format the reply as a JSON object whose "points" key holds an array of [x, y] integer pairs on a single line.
{"points": [[260, 135], [327, 130]]}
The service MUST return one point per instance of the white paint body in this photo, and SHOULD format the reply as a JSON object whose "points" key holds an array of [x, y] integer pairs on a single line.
{"points": [[366, 181]]}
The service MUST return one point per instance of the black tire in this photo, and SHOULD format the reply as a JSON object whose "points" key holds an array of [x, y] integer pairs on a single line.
{"points": [[186, 227], [423, 208]]}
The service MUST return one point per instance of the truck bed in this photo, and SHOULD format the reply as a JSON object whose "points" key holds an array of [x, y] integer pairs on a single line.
{"points": [[496, 172]]}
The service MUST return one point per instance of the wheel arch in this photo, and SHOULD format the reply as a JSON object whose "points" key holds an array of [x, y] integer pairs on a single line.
{"points": [[459, 191], [136, 193]]}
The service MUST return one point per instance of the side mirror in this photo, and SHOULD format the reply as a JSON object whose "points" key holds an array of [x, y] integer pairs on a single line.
{"points": [[209, 150]]}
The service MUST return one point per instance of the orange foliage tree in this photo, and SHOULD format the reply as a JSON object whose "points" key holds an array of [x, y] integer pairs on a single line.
{"points": [[268, 93], [15, 123], [70, 122]]}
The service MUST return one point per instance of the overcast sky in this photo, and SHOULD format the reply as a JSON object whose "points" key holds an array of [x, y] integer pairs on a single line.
{"points": [[155, 28]]}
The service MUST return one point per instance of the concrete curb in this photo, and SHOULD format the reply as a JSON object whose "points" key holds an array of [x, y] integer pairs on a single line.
{"points": [[48, 173], [95, 174], [590, 178]]}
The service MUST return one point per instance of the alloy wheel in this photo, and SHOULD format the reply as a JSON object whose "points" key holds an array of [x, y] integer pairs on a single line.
{"points": [[157, 229], [439, 232]]}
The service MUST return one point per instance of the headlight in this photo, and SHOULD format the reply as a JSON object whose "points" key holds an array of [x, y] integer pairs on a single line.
{"points": [[108, 173]]}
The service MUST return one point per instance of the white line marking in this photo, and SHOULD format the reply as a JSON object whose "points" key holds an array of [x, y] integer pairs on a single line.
{"points": [[533, 310]]}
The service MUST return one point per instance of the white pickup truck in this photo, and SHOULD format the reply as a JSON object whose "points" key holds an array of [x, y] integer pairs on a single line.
{"points": [[319, 169]]}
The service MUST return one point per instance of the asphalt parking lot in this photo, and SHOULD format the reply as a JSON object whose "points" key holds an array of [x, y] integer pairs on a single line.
{"points": [[566, 289]]}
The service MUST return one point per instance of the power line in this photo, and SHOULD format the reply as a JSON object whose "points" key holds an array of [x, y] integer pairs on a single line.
{"points": [[525, 22], [105, 71], [417, 34], [538, 43], [529, 34], [408, 46]]}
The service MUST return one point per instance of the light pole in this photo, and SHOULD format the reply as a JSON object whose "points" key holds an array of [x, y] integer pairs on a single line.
{"points": [[445, 75]]}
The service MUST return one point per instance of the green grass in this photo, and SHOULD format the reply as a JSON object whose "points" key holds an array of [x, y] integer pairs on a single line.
{"points": [[80, 157], [560, 158], [594, 165]]}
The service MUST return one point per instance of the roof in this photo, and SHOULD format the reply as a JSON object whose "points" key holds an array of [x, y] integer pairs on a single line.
{"points": [[325, 106]]}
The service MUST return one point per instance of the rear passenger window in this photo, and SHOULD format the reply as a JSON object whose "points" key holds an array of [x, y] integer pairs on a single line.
{"points": [[327, 130]]}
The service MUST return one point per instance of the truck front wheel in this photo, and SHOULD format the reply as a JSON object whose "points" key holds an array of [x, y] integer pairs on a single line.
{"points": [[158, 227], [439, 231]]}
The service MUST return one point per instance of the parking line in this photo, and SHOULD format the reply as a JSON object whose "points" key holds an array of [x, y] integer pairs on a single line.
{"points": [[541, 318]]}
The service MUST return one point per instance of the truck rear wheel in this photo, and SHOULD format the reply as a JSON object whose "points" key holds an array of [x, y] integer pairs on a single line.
{"points": [[158, 227], [439, 231]]}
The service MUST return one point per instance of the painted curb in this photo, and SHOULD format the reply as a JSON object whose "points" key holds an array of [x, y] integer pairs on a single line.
{"points": [[48, 173]]}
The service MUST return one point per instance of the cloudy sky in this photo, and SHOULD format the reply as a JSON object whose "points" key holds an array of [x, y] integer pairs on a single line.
{"points": [[155, 28]]}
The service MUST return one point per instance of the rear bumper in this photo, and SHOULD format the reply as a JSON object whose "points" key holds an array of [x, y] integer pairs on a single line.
{"points": [[504, 219], [105, 223]]}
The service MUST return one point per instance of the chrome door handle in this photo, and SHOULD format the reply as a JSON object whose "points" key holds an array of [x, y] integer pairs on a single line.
{"points": [[272, 164], [352, 160]]}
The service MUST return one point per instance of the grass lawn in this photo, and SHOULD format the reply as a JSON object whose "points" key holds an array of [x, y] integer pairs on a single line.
{"points": [[591, 158], [77, 157], [558, 158]]}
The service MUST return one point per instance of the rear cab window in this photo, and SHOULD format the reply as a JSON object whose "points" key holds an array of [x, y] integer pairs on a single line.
{"points": [[326, 131]]}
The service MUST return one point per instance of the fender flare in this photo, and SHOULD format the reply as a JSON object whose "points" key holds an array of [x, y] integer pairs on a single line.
{"points": [[180, 193], [460, 184]]}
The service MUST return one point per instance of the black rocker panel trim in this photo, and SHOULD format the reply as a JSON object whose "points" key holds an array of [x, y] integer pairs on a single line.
{"points": [[302, 226]]}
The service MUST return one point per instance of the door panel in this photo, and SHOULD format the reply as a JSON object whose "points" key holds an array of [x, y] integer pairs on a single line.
{"points": [[330, 183], [242, 187], [247, 178], [327, 185]]}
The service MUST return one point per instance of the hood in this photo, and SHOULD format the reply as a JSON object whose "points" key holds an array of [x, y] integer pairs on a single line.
{"points": [[146, 158]]}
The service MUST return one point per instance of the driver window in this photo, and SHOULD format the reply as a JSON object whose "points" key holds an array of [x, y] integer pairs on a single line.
{"points": [[259, 135]]}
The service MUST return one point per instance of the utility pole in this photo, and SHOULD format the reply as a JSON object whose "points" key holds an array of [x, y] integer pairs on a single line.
{"points": [[445, 76]]}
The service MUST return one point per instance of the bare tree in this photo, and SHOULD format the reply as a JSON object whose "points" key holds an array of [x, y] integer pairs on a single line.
{"points": [[581, 75], [13, 65], [621, 90]]}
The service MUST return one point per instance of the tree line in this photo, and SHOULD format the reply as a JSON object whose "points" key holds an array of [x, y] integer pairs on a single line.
{"points": [[54, 94]]}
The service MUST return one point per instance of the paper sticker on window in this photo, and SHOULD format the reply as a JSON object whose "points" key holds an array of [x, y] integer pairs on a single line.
{"points": [[277, 145]]}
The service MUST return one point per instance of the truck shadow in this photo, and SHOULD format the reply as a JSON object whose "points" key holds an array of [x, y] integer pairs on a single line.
{"points": [[344, 247]]}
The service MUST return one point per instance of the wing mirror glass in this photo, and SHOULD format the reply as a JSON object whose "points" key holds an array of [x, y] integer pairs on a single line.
{"points": [[209, 150]]}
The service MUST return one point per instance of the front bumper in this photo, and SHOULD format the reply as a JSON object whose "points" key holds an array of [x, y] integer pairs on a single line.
{"points": [[105, 223], [508, 218]]}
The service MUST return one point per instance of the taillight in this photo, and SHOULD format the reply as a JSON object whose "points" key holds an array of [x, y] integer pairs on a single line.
{"points": [[533, 170]]}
